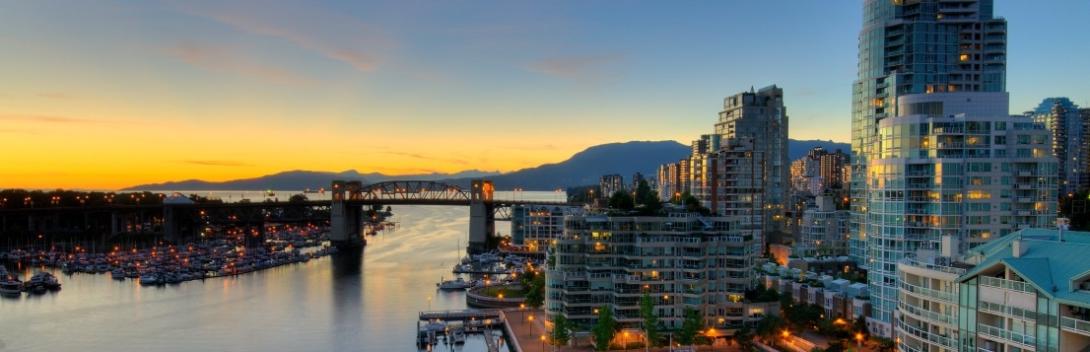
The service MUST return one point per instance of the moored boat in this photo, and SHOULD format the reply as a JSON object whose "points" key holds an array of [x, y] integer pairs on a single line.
{"points": [[10, 286], [456, 284]]}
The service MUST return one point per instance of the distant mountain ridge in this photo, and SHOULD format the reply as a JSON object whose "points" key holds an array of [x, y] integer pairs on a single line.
{"points": [[582, 168], [300, 180]]}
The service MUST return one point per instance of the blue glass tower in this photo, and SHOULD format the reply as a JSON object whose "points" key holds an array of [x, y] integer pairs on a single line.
{"points": [[910, 47]]}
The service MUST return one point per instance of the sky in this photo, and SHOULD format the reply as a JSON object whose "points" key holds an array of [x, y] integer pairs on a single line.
{"points": [[108, 94]]}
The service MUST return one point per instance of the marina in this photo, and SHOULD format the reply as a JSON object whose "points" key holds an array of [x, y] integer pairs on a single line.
{"points": [[340, 301]]}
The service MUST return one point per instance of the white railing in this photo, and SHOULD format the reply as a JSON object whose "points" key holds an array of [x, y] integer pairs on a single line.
{"points": [[1006, 284], [1007, 335], [1075, 324]]}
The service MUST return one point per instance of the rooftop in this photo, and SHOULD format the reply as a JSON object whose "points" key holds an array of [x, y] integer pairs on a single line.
{"points": [[1052, 266]]}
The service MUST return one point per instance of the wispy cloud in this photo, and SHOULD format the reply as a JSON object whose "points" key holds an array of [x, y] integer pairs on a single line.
{"points": [[224, 163], [330, 34], [222, 59], [429, 158], [49, 119], [579, 67]]}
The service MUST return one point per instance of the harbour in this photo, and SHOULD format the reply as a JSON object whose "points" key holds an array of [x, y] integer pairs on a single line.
{"points": [[347, 301]]}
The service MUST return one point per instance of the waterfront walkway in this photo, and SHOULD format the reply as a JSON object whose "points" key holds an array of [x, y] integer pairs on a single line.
{"points": [[527, 333]]}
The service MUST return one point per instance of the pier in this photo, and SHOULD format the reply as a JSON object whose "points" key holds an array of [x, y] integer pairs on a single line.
{"points": [[432, 324]]}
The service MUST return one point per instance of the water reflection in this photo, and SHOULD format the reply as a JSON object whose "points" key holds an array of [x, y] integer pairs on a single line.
{"points": [[359, 301], [346, 278]]}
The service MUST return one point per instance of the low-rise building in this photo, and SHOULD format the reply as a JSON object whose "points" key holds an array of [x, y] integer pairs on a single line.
{"points": [[824, 230], [1029, 291], [535, 226], [839, 298], [1026, 291], [681, 261]]}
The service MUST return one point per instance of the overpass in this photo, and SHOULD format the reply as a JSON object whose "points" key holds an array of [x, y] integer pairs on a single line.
{"points": [[346, 209]]}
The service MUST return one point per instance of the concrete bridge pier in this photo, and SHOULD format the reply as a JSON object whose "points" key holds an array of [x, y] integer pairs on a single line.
{"points": [[346, 220], [114, 230], [482, 222], [171, 233]]}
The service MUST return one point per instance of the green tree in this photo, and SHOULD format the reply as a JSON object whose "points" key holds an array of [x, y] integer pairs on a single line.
{"points": [[744, 337], [604, 329], [561, 330], [802, 316], [693, 205], [690, 327], [535, 297], [886, 345], [768, 327], [646, 200], [621, 200], [650, 320], [860, 326]]}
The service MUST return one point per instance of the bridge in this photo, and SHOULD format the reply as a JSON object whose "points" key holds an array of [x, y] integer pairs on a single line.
{"points": [[346, 210], [350, 197]]}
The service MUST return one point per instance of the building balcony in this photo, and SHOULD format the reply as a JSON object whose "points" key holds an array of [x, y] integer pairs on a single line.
{"points": [[1075, 325], [1006, 284], [927, 292], [927, 315], [1004, 335]]}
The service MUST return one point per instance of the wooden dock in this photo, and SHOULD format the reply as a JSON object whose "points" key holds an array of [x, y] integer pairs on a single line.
{"points": [[463, 315]]}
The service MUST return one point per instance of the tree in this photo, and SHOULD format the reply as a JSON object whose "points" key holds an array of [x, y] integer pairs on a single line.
{"points": [[647, 201], [860, 325], [693, 205], [690, 327], [768, 327], [297, 198], [561, 327], [604, 329], [744, 337], [621, 200], [804, 315], [650, 320], [535, 297], [886, 345]]}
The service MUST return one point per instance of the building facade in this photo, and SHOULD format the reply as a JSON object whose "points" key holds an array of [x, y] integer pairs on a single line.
{"points": [[939, 64], [1069, 132], [669, 182], [820, 172], [761, 117], [610, 184], [974, 175], [535, 226], [680, 261], [824, 230], [926, 318], [1029, 291]]}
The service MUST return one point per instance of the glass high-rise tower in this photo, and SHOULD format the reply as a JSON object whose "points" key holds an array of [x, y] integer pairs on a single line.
{"points": [[930, 129]]}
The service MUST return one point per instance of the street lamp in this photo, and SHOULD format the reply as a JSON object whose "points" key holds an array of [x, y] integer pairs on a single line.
{"points": [[542, 342], [859, 339]]}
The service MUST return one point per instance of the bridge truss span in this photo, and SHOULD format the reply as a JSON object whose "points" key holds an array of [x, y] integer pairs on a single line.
{"points": [[412, 190]]}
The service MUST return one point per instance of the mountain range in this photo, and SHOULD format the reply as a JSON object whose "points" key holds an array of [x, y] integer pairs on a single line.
{"points": [[582, 168]]}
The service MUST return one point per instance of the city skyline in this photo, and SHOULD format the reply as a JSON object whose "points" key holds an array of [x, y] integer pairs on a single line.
{"points": [[162, 91]]}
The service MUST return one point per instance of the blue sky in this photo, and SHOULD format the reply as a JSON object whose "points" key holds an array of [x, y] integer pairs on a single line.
{"points": [[413, 86]]}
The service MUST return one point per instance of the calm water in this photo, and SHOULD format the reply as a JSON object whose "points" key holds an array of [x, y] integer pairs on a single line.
{"points": [[366, 302]]}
